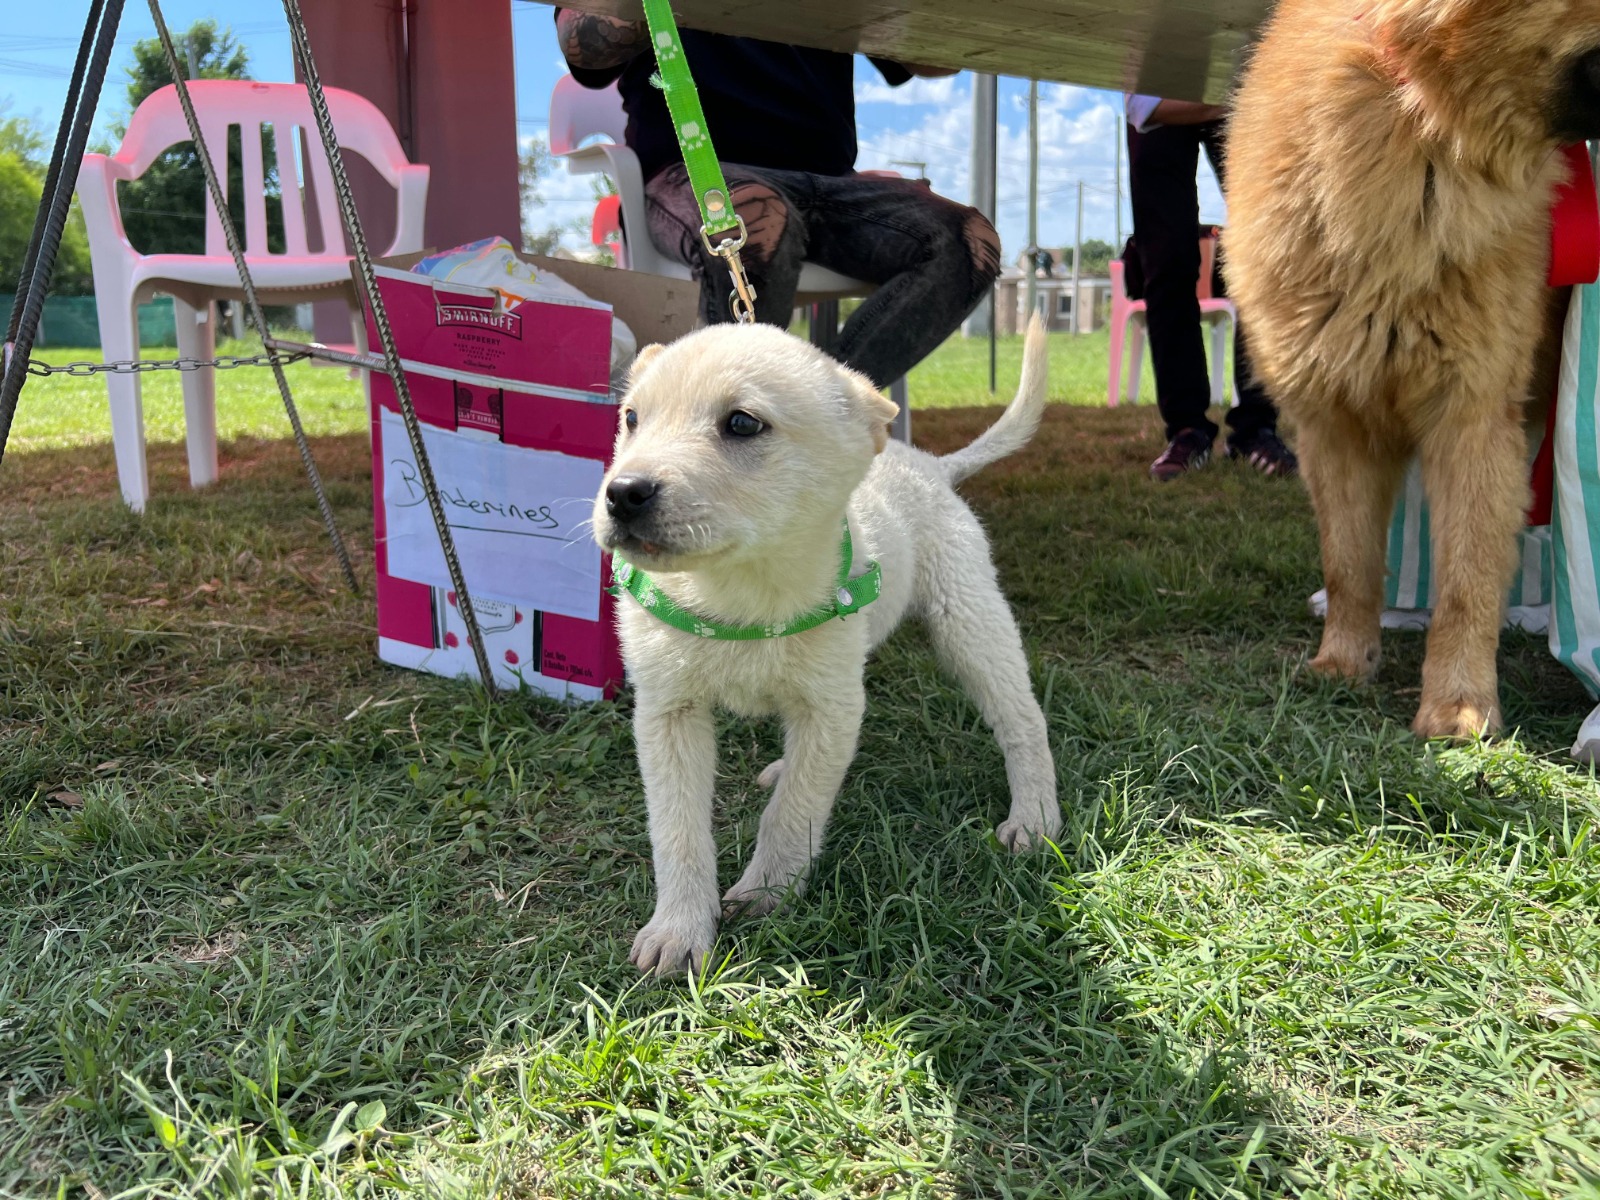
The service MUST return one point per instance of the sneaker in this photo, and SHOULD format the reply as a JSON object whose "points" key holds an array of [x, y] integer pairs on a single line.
{"points": [[1189, 451], [1266, 453]]}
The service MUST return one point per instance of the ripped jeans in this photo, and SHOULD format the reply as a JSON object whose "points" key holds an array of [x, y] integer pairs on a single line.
{"points": [[932, 259]]}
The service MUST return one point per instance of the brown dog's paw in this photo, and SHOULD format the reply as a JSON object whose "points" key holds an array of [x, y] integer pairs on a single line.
{"points": [[1356, 664], [1460, 720]]}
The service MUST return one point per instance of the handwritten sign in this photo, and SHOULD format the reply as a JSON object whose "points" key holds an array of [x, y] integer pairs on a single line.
{"points": [[520, 519]]}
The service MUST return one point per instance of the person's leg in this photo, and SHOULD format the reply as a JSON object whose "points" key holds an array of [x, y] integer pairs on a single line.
{"points": [[1166, 221], [1253, 413], [932, 259], [772, 255]]}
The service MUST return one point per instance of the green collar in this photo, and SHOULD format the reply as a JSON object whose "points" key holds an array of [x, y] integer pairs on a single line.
{"points": [[852, 595]]}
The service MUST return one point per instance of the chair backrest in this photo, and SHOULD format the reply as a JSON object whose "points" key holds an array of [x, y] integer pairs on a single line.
{"points": [[1203, 286], [285, 110], [1119, 284], [577, 113], [605, 229]]}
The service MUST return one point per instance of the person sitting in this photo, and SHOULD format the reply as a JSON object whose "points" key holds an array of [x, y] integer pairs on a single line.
{"points": [[782, 119], [1164, 141]]}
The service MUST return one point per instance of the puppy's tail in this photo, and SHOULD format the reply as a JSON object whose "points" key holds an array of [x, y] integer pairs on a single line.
{"points": [[1020, 420]]}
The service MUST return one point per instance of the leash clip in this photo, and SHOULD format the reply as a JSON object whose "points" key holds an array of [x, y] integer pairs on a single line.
{"points": [[742, 299]]}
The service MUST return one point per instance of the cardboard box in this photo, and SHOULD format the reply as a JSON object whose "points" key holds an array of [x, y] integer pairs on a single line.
{"points": [[518, 422]]}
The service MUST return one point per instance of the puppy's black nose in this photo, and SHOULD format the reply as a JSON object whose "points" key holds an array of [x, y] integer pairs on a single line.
{"points": [[629, 496]]}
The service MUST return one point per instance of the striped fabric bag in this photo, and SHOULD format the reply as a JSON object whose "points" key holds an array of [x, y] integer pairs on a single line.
{"points": [[1411, 590], [1575, 627]]}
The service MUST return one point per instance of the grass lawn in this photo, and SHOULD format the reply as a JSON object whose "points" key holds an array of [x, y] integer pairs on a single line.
{"points": [[288, 922]]}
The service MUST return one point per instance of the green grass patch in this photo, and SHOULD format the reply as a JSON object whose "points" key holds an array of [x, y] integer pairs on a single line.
{"points": [[286, 922]]}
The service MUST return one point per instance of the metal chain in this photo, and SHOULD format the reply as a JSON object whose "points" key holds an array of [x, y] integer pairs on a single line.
{"points": [[357, 239], [143, 366], [252, 304]]}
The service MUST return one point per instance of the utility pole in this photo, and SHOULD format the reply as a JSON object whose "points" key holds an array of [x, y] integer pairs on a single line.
{"points": [[1031, 265], [1122, 137], [1077, 263], [985, 97]]}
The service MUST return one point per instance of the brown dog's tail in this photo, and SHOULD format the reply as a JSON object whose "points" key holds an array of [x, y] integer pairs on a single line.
{"points": [[1020, 420]]}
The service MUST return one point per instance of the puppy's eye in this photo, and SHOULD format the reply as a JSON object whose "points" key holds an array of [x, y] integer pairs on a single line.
{"points": [[741, 424], [631, 420]]}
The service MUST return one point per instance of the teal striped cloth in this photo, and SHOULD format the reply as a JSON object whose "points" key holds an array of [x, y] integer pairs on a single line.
{"points": [[1575, 624]]}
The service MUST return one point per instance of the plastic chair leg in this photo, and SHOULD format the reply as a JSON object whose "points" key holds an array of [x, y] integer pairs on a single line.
{"points": [[1135, 356], [119, 341], [1119, 331], [901, 429], [197, 338], [1219, 362]]}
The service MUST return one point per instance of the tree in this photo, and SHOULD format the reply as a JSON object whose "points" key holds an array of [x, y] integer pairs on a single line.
{"points": [[22, 170], [1094, 258], [164, 210], [532, 165]]}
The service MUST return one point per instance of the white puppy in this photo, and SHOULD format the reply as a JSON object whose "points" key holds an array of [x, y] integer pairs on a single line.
{"points": [[741, 454]]}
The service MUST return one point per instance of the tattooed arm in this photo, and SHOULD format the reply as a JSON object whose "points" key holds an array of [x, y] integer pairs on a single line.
{"points": [[596, 42]]}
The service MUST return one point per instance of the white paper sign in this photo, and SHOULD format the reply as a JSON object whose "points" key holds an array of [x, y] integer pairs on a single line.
{"points": [[519, 519]]}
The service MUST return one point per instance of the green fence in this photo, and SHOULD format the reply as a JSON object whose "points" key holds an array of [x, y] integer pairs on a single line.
{"points": [[74, 321]]}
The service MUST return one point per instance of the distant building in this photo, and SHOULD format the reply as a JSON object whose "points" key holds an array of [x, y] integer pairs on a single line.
{"points": [[1054, 296]]}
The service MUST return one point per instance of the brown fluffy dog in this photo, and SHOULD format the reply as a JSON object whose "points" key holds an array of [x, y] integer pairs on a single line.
{"points": [[1391, 169]]}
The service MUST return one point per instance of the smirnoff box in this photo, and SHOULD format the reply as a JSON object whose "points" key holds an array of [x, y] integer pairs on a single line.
{"points": [[518, 422]]}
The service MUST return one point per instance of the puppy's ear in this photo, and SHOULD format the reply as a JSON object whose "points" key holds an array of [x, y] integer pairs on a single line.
{"points": [[870, 405], [642, 360]]}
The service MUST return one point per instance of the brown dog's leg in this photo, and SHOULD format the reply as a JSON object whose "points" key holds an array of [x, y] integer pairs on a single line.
{"points": [[1476, 477], [1353, 481]]}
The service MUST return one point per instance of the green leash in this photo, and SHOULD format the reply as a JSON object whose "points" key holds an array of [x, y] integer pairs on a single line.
{"points": [[850, 596], [719, 220]]}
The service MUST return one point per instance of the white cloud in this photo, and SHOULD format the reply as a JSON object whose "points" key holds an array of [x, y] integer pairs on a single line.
{"points": [[1078, 132], [947, 89]]}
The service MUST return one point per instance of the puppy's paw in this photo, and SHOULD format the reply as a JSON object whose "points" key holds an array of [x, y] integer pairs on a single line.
{"points": [[770, 776], [667, 947], [1461, 720], [762, 889], [1020, 833]]}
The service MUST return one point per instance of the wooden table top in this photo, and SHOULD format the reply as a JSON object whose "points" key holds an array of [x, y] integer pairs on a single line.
{"points": [[1184, 49]]}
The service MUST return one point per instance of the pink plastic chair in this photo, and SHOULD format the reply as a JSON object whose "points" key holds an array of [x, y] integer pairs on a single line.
{"points": [[1217, 313], [605, 230], [124, 278]]}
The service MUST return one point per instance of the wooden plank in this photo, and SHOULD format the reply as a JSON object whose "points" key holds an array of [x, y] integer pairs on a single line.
{"points": [[1185, 49]]}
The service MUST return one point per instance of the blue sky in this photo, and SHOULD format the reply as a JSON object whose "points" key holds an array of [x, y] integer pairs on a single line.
{"points": [[927, 121]]}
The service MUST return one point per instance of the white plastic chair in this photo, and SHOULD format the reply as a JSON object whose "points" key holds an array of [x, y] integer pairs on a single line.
{"points": [[577, 113], [1128, 328], [124, 278]]}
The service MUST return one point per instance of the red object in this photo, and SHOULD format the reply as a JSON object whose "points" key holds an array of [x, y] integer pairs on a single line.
{"points": [[1574, 260], [1575, 224], [606, 227]]}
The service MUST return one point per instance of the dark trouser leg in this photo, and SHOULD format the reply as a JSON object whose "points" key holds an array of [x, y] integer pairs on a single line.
{"points": [[1254, 410], [932, 259], [1166, 221], [772, 255]]}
